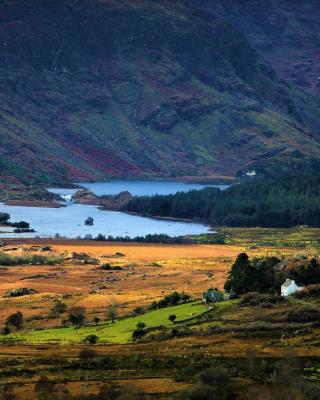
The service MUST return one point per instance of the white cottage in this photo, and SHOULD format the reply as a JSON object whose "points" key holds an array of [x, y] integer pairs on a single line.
{"points": [[289, 287]]}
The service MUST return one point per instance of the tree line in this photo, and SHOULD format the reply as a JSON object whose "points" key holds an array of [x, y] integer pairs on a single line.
{"points": [[21, 226], [284, 202], [265, 275]]}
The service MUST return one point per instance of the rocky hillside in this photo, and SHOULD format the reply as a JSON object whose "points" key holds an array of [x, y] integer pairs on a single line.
{"points": [[285, 32], [97, 88]]}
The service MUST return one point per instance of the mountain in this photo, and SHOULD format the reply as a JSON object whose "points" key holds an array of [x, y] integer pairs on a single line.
{"points": [[286, 33], [138, 88]]}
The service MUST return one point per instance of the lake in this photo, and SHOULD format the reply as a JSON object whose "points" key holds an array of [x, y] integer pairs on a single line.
{"points": [[144, 188], [69, 221]]}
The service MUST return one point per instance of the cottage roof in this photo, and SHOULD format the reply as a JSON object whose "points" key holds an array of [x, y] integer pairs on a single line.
{"points": [[288, 283]]}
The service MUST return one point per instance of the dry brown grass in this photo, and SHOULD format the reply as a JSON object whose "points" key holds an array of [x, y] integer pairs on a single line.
{"points": [[151, 271]]}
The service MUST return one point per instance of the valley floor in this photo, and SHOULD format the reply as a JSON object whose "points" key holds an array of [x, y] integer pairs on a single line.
{"points": [[140, 274]]}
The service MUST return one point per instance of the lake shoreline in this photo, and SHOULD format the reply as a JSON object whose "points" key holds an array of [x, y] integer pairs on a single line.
{"points": [[205, 179], [27, 199], [33, 203], [159, 217], [54, 218]]}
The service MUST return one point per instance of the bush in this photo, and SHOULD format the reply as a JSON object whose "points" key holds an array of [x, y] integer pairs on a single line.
{"points": [[29, 259], [91, 339], [304, 315], [255, 299], [15, 320], [309, 291], [20, 292], [212, 383], [87, 354], [5, 330], [138, 334], [249, 298], [172, 299], [138, 311], [172, 318], [141, 325]]}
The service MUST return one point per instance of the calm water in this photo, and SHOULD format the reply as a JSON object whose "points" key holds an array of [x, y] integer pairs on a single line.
{"points": [[69, 221], [143, 188]]}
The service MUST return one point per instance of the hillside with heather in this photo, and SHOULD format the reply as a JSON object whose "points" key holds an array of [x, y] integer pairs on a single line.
{"points": [[286, 33], [96, 88]]}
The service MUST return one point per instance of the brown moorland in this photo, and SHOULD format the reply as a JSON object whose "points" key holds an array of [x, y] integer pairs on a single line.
{"points": [[147, 272]]}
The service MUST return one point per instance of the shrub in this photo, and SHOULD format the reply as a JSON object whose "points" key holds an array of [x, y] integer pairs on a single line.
{"points": [[138, 311], [255, 299], [212, 383], [250, 298], [91, 339], [141, 325], [29, 259], [309, 291], [138, 334], [172, 299], [20, 292], [172, 318], [15, 320], [304, 315], [87, 354], [5, 330]]}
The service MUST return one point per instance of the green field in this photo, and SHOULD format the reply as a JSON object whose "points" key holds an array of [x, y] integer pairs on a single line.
{"points": [[302, 237], [118, 332]]}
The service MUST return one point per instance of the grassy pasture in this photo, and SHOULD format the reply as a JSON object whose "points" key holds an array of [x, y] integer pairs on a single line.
{"points": [[118, 332], [299, 237]]}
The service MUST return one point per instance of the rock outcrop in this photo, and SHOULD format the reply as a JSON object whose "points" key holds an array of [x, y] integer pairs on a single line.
{"points": [[115, 202], [106, 202], [85, 196]]}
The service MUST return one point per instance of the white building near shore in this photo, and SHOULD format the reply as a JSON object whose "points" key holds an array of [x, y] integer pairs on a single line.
{"points": [[290, 287]]}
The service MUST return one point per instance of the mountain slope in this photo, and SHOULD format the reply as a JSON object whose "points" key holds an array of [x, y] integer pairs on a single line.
{"points": [[286, 33], [91, 89]]}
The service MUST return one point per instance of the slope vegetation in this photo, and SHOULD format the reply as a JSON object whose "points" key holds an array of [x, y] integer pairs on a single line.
{"points": [[91, 89]]}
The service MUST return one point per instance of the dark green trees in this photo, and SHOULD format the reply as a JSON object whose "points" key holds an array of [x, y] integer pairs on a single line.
{"points": [[4, 218], [15, 320], [258, 275], [307, 273], [77, 316], [284, 202]]}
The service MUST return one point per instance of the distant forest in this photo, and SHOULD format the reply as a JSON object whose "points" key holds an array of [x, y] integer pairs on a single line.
{"points": [[284, 202]]}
